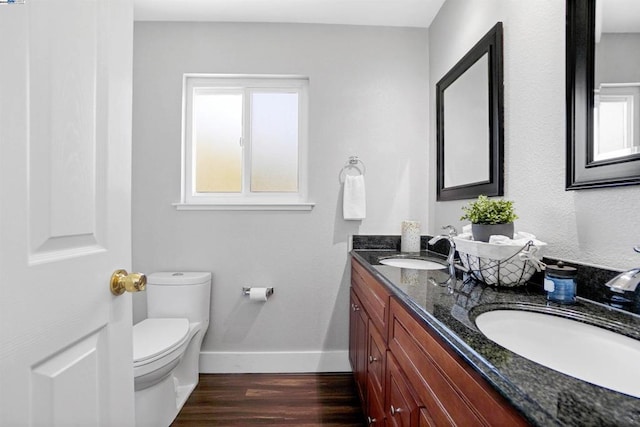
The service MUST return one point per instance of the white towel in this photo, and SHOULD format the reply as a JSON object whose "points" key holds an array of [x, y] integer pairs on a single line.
{"points": [[354, 205], [520, 238]]}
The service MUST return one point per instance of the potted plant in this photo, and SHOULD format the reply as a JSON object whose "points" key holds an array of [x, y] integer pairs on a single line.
{"points": [[490, 217]]}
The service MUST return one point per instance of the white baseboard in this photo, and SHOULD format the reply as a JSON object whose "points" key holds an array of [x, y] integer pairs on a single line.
{"points": [[274, 362]]}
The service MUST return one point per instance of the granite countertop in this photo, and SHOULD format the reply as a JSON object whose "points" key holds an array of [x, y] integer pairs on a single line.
{"points": [[544, 396]]}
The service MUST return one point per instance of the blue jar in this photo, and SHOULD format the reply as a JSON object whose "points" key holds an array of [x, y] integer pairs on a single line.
{"points": [[560, 283]]}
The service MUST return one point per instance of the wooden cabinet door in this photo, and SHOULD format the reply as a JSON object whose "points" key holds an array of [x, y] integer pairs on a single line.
{"points": [[352, 331], [376, 354], [375, 409], [425, 419], [358, 339], [373, 295], [401, 407]]}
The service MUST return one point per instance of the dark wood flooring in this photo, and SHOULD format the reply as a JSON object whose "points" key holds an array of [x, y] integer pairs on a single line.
{"points": [[302, 400]]}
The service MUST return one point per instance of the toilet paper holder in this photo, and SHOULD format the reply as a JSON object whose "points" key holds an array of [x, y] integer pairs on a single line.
{"points": [[247, 290]]}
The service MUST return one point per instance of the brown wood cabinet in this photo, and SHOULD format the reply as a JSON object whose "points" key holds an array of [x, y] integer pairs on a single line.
{"points": [[407, 375], [368, 344], [358, 334]]}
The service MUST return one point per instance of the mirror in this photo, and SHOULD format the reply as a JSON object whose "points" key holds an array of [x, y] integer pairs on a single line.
{"points": [[469, 120], [603, 93]]}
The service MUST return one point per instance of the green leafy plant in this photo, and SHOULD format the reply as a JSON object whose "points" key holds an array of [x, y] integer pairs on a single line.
{"points": [[489, 211]]}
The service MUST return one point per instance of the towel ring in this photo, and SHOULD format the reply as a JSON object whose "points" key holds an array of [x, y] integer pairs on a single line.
{"points": [[353, 163]]}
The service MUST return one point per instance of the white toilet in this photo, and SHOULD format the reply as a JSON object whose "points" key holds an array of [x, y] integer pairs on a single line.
{"points": [[166, 345]]}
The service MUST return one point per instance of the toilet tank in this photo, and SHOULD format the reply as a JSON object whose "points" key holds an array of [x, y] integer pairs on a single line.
{"points": [[179, 294]]}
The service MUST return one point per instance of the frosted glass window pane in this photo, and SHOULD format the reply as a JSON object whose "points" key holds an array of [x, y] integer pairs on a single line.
{"points": [[274, 142], [613, 126], [217, 129], [614, 133]]}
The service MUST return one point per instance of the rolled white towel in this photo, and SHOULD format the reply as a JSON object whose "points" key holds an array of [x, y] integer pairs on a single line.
{"points": [[500, 240], [520, 238]]}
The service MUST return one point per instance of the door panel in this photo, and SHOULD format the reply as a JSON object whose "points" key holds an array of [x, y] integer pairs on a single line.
{"points": [[67, 114], [59, 376], [65, 166]]}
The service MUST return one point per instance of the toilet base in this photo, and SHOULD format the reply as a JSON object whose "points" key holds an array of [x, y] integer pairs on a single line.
{"points": [[182, 394], [158, 406]]}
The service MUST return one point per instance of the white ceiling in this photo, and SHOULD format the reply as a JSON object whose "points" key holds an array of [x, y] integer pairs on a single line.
{"points": [[395, 13]]}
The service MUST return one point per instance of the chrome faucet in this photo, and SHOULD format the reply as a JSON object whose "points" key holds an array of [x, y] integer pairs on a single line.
{"points": [[451, 232], [626, 281]]}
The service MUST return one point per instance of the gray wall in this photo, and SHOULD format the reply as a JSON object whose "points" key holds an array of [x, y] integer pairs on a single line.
{"points": [[616, 58], [594, 226], [368, 96]]}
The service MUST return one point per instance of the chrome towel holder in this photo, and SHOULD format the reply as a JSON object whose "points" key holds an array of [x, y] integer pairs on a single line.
{"points": [[353, 163]]}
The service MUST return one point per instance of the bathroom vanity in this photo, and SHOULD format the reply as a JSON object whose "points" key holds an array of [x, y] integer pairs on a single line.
{"points": [[419, 360]]}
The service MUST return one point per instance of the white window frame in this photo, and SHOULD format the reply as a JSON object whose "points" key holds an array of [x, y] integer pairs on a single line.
{"points": [[245, 200]]}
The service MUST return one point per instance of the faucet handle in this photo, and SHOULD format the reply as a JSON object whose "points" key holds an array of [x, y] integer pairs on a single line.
{"points": [[451, 230]]}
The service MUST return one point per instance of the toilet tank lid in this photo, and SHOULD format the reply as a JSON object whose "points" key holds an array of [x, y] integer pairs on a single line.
{"points": [[178, 278]]}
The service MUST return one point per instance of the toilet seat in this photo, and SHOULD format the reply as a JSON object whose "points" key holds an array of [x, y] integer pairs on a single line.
{"points": [[155, 338]]}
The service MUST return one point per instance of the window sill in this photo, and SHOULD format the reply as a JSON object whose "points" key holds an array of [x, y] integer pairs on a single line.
{"points": [[295, 206]]}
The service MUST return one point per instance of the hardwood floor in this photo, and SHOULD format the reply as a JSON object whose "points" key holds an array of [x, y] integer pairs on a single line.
{"points": [[302, 400]]}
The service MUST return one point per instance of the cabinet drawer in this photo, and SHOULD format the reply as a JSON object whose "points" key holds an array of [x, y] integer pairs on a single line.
{"points": [[446, 385], [373, 296]]}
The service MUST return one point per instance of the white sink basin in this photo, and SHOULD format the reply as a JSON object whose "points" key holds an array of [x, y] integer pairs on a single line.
{"points": [[580, 350], [413, 263]]}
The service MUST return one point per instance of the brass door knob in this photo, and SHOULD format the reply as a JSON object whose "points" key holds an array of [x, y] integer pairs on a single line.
{"points": [[122, 281]]}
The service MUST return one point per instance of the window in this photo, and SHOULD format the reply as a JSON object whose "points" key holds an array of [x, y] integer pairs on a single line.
{"points": [[244, 143], [616, 121]]}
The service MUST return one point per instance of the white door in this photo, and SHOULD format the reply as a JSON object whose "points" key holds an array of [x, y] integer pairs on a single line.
{"points": [[65, 166]]}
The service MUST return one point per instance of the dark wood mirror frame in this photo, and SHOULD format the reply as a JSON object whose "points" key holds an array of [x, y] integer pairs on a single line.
{"points": [[490, 44], [582, 171]]}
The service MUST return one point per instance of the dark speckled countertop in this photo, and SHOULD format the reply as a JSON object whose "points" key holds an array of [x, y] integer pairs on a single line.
{"points": [[544, 396]]}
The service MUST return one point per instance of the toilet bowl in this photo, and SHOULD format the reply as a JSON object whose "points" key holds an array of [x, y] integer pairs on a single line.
{"points": [[159, 345], [166, 345]]}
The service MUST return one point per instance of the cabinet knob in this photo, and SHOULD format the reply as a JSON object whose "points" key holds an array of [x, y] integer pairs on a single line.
{"points": [[395, 410], [372, 359], [371, 420], [355, 307]]}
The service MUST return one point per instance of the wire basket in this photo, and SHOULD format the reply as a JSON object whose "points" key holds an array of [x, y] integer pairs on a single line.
{"points": [[500, 264]]}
